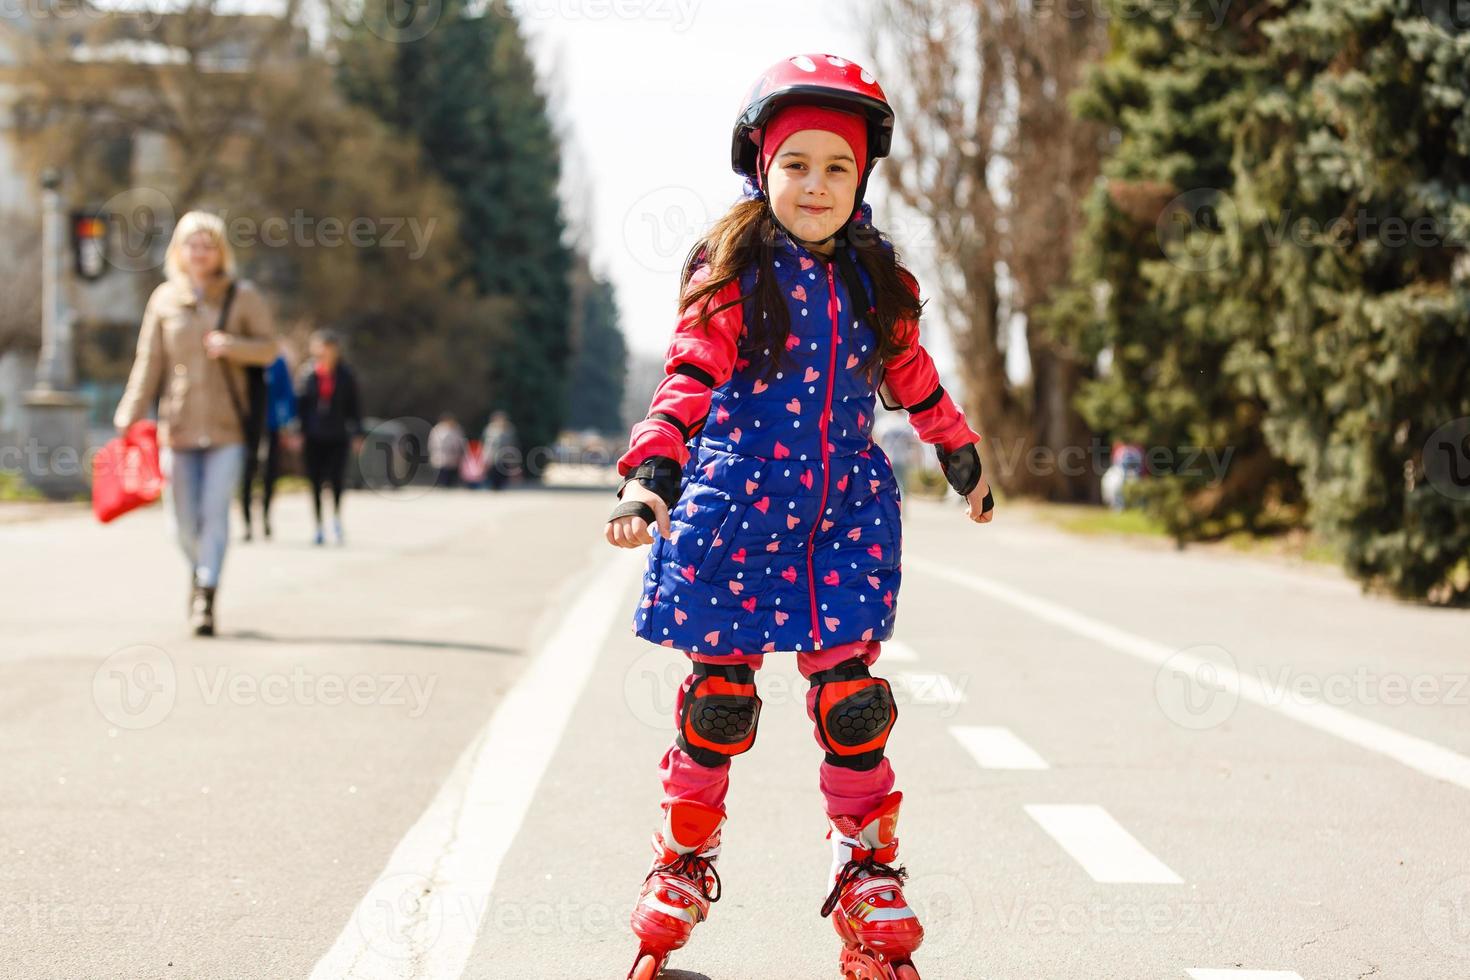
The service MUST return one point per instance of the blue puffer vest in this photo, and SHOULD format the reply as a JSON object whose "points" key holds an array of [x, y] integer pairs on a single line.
{"points": [[787, 534]]}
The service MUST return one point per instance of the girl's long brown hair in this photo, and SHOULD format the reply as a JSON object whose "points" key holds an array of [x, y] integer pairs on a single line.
{"points": [[746, 236]]}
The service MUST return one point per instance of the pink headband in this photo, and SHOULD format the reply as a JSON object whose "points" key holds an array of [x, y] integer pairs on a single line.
{"points": [[795, 118]]}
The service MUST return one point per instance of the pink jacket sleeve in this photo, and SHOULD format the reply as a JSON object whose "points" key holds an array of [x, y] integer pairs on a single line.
{"points": [[912, 379], [699, 360]]}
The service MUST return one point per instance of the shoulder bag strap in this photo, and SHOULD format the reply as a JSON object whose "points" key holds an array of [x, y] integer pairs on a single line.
{"points": [[224, 316]]}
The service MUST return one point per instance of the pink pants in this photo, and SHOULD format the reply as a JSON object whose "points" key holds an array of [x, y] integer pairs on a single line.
{"points": [[848, 792]]}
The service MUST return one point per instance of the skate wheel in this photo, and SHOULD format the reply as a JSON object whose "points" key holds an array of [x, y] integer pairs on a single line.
{"points": [[645, 969], [860, 965]]}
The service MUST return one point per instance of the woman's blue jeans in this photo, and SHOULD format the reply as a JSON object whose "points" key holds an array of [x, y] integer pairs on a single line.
{"points": [[199, 484]]}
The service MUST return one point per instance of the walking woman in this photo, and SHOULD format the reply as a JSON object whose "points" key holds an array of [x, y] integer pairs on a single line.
{"points": [[201, 328], [331, 419]]}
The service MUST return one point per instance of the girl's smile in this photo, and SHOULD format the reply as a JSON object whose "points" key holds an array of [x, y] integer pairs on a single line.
{"points": [[812, 185]]}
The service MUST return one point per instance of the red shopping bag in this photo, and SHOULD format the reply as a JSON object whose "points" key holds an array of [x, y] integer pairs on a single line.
{"points": [[126, 474]]}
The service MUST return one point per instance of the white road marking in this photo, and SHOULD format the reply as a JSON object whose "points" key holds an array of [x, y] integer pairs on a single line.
{"points": [[421, 917], [1416, 753], [915, 688], [893, 650], [1243, 975], [1100, 844], [997, 748]]}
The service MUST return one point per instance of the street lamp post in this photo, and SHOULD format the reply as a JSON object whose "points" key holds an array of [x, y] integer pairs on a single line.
{"points": [[54, 430]]}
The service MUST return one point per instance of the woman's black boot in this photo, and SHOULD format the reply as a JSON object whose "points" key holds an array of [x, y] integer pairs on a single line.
{"points": [[201, 612]]}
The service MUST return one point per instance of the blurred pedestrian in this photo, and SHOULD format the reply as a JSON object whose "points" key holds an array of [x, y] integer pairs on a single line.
{"points": [[499, 440], [201, 328], [277, 411], [1126, 467], [472, 467], [447, 446], [331, 424]]}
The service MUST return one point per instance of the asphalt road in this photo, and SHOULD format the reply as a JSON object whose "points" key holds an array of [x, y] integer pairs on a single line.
{"points": [[431, 752]]}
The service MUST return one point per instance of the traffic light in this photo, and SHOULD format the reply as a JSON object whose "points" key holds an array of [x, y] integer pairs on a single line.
{"points": [[89, 244]]}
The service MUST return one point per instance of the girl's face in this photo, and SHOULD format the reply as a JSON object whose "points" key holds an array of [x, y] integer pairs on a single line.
{"points": [[812, 183], [202, 255]]}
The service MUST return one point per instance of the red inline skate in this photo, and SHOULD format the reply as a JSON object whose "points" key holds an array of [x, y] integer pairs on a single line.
{"points": [[878, 929], [679, 887]]}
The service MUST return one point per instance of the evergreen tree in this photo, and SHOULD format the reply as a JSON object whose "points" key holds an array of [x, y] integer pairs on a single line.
{"points": [[1353, 184], [466, 91], [1148, 293], [1245, 269], [599, 362]]}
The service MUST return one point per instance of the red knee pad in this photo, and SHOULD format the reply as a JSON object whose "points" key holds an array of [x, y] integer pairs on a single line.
{"points": [[854, 712], [719, 713]]}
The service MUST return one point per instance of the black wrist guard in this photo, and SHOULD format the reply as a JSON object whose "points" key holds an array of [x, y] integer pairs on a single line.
{"points": [[660, 474], [634, 508], [961, 467]]}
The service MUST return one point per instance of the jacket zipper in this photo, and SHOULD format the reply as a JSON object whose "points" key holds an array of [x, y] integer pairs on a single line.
{"points": [[822, 426]]}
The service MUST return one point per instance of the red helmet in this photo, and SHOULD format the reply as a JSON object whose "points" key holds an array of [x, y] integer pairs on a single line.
{"points": [[812, 79]]}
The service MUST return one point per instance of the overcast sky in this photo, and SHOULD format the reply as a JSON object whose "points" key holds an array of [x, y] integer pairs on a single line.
{"points": [[650, 97]]}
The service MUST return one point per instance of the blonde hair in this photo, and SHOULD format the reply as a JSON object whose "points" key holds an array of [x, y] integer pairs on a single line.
{"points": [[189, 225]]}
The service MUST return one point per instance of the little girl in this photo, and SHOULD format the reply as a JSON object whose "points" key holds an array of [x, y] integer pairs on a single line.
{"points": [[778, 517]]}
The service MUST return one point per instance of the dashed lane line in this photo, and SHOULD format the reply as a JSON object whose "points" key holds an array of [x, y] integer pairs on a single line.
{"points": [[997, 748], [1418, 754], [1099, 843]]}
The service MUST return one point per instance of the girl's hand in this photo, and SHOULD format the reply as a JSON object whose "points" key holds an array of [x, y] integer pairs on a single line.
{"points": [[630, 531], [975, 500], [217, 343]]}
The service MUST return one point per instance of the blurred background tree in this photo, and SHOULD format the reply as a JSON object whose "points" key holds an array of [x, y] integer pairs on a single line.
{"points": [[456, 290], [466, 93], [1146, 297], [994, 167], [1250, 275], [599, 366], [1359, 142]]}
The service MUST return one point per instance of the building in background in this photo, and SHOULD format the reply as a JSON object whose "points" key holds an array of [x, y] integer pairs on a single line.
{"points": [[122, 172]]}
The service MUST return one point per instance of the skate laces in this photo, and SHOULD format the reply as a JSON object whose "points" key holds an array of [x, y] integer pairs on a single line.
{"points": [[695, 868], [854, 870]]}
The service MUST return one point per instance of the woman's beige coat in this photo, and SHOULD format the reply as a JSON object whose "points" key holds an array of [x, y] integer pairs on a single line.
{"points": [[171, 365]]}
